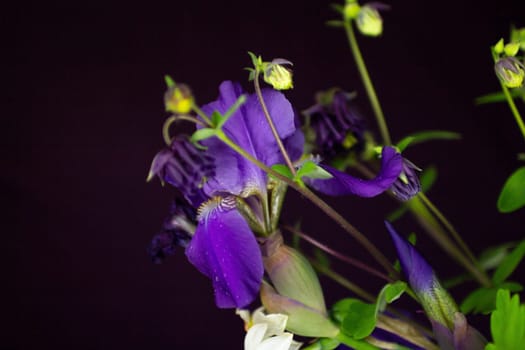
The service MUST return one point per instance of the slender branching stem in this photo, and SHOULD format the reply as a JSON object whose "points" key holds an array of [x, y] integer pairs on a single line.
{"points": [[369, 87], [338, 255], [271, 123], [327, 209], [172, 119]]}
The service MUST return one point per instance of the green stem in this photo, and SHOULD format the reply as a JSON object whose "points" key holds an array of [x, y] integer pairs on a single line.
{"points": [[365, 77], [271, 124], [434, 229], [327, 209], [203, 115], [448, 226], [172, 119], [510, 100]]}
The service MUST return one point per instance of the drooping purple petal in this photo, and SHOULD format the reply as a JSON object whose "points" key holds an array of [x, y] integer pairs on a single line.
{"points": [[224, 249], [407, 185], [185, 167], [343, 184], [419, 273], [249, 129]]}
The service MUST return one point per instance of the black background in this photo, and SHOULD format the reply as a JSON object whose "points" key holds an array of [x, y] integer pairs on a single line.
{"points": [[82, 121]]}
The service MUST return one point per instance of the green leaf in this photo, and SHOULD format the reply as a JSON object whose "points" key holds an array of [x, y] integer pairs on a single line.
{"points": [[202, 134], [390, 293], [492, 257], [512, 196], [322, 258], [169, 81], [354, 343], [312, 170], [483, 300], [283, 170], [509, 264], [428, 135], [499, 96], [335, 23], [323, 344], [359, 319], [507, 322], [231, 111]]}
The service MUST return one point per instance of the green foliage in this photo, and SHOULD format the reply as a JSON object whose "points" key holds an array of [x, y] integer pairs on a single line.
{"points": [[507, 323], [390, 293], [283, 170], [323, 344], [202, 134], [512, 196], [424, 136], [509, 264], [312, 170], [169, 81], [357, 318]]}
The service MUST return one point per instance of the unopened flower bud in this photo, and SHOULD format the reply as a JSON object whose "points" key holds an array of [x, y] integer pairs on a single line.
{"points": [[510, 71], [296, 291], [277, 75], [178, 99], [351, 9], [369, 21]]}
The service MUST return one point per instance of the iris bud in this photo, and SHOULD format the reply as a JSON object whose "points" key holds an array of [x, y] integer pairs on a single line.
{"points": [[178, 99], [369, 21], [351, 9], [296, 291], [510, 71], [277, 75]]}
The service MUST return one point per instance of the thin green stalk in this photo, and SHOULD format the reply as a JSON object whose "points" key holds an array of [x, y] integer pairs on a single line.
{"points": [[354, 288], [271, 124], [172, 119], [327, 209], [510, 100], [434, 229], [448, 226], [365, 77]]}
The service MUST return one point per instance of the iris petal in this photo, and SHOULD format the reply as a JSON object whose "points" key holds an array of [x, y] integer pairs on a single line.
{"points": [[249, 129], [343, 184], [225, 249]]}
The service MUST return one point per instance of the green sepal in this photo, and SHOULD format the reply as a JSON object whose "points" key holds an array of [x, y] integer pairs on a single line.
{"points": [[202, 134], [283, 170], [216, 118], [509, 264], [507, 322], [498, 48], [256, 60], [312, 170], [511, 49], [512, 196], [169, 81], [390, 293], [500, 96], [427, 135]]}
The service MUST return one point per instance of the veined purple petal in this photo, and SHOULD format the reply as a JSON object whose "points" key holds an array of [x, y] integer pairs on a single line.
{"points": [[225, 249], [249, 129], [407, 185], [419, 273], [343, 184]]}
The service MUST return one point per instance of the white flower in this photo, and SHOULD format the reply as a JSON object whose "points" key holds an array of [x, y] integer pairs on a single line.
{"points": [[266, 332]]}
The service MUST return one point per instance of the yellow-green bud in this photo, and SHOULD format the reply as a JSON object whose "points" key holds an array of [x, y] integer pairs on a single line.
{"points": [[278, 76], [518, 36], [369, 21], [178, 99], [511, 49], [351, 10], [510, 71]]}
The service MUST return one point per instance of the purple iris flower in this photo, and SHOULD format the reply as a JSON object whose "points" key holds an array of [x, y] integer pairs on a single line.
{"points": [[333, 118], [408, 184], [343, 184], [223, 247], [177, 230]]}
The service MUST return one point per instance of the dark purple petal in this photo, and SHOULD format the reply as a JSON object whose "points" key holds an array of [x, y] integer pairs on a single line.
{"points": [[225, 249], [343, 184], [407, 185], [184, 167], [420, 275], [249, 129]]}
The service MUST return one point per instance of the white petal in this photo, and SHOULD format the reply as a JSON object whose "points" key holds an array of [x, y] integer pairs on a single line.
{"points": [[244, 314], [255, 336], [280, 342], [295, 345], [276, 322]]}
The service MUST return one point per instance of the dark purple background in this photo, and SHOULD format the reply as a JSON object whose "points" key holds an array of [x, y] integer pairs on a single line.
{"points": [[83, 119]]}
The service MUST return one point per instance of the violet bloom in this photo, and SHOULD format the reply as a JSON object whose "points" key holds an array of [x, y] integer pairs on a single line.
{"points": [[343, 184], [336, 122], [407, 185], [223, 247], [449, 325]]}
